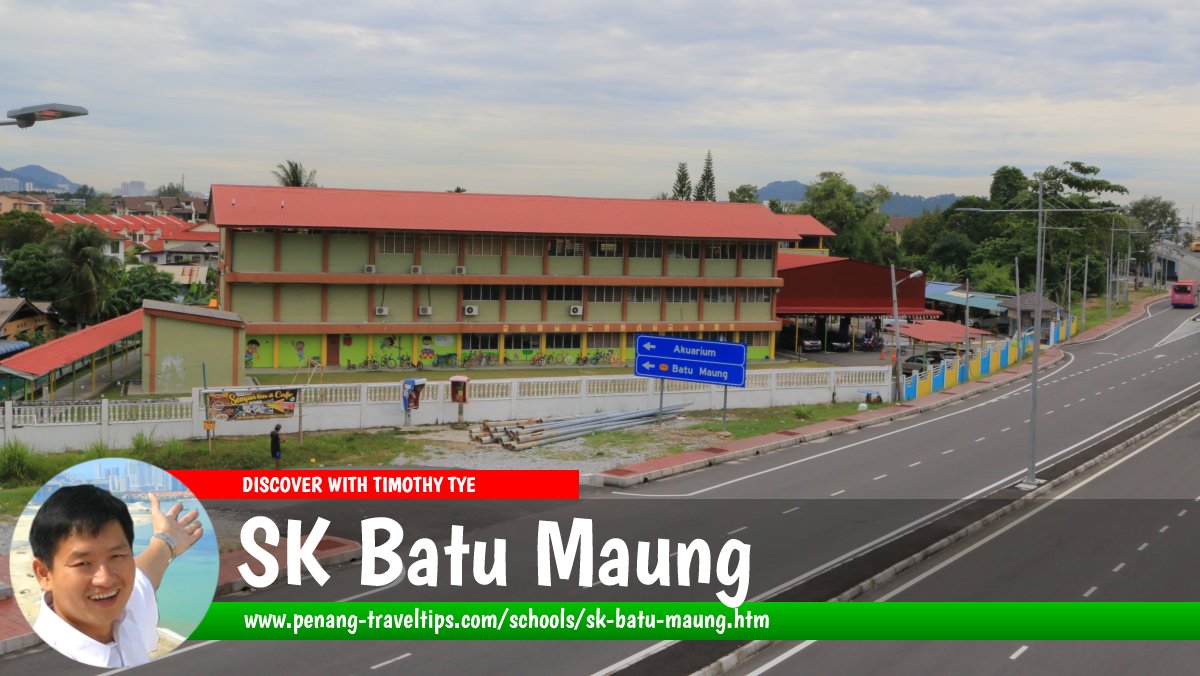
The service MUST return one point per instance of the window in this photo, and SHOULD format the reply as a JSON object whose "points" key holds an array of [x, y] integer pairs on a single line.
{"points": [[524, 292], [757, 251], [644, 294], [522, 341], [680, 249], [394, 243], [524, 246], [681, 294], [480, 341], [114, 246], [481, 292], [599, 341], [755, 338], [719, 295], [439, 244], [606, 247], [645, 248], [562, 341], [482, 245], [756, 295], [564, 246], [564, 293], [722, 336], [722, 250], [604, 294]]}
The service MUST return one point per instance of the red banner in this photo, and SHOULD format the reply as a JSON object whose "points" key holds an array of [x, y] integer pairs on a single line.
{"points": [[351, 484]]}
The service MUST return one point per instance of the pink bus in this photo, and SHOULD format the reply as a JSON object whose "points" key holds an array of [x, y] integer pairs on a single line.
{"points": [[1183, 293]]}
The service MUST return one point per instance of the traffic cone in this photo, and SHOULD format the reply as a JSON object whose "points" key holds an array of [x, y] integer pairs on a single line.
{"points": [[882, 353]]}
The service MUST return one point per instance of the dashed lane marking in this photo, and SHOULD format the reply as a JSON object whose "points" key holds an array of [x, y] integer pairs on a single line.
{"points": [[834, 495], [1020, 651], [980, 439], [1119, 567], [1143, 547], [394, 659], [1090, 592], [919, 462], [1163, 529], [881, 476], [737, 530], [789, 511]]}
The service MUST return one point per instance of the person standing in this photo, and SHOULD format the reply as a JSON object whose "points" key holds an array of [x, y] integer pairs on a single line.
{"points": [[276, 442]]}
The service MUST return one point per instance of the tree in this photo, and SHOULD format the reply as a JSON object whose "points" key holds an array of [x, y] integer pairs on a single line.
{"points": [[139, 283], [32, 272], [706, 187], [1158, 216], [1008, 183], [745, 194], [18, 228], [682, 190], [87, 274], [853, 216], [458, 188], [292, 174], [170, 190]]}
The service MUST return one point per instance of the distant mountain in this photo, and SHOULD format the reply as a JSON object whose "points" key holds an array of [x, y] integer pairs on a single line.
{"points": [[42, 178], [898, 205]]}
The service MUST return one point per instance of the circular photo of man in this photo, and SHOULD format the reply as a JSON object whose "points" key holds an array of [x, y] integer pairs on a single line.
{"points": [[114, 562]]}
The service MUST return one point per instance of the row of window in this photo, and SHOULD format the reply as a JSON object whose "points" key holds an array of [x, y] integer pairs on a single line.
{"points": [[612, 294], [596, 341], [599, 247]]}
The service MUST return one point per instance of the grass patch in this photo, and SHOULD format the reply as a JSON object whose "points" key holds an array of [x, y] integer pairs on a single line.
{"points": [[752, 422], [22, 470]]}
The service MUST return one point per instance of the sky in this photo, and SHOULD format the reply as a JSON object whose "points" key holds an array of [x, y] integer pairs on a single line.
{"points": [[605, 98]]}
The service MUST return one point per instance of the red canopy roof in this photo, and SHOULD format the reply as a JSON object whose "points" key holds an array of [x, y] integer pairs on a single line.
{"points": [[38, 361], [938, 331], [280, 207], [827, 285]]}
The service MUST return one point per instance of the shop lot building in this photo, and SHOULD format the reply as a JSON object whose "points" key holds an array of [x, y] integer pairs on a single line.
{"points": [[340, 275]]}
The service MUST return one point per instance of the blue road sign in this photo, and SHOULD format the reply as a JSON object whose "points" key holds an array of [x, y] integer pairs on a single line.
{"points": [[697, 361]]}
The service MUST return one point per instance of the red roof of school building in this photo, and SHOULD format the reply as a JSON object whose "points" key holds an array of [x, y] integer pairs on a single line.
{"points": [[280, 207], [38, 361]]}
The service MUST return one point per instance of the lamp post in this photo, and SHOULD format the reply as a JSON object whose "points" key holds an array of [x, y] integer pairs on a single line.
{"points": [[1031, 481], [898, 395], [25, 117]]}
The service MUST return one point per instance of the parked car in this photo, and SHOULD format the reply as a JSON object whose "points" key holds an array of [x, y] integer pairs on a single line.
{"points": [[838, 343], [810, 343], [917, 362]]}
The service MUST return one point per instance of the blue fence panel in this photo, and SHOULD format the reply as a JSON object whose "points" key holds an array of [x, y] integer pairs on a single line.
{"points": [[939, 378], [985, 363], [1004, 354], [910, 388]]}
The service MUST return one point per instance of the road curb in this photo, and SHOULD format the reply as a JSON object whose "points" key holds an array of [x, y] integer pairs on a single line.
{"points": [[620, 477]]}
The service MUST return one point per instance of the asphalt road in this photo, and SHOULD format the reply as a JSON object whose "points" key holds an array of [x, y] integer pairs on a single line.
{"points": [[1130, 532], [803, 510]]}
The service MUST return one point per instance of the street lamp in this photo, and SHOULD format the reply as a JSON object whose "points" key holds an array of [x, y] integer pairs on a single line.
{"points": [[899, 391], [1031, 480], [27, 116], [1110, 292]]}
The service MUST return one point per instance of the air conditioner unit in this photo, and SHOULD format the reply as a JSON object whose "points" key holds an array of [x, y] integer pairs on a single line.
{"points": [[425, 310], [415, 270], [460, 269], [471, 310], [381, 311], [576, 310], [369, 269]]}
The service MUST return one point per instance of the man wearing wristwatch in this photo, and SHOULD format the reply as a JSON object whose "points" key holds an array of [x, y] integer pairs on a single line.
{"points": [[98, 604]]}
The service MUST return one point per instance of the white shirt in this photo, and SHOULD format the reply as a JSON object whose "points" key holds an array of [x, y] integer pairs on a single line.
{"points": [[135, 634]]}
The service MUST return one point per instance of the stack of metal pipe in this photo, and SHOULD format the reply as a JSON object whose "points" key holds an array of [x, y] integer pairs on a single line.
{"points": [[518, 435]]}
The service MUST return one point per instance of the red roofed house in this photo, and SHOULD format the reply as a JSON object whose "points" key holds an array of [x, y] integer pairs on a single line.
{"points": [[124, 231], [341, 275]]}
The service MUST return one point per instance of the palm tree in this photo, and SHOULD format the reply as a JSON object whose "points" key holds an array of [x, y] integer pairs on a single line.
{"points": [[89, 274], [292, 174]]}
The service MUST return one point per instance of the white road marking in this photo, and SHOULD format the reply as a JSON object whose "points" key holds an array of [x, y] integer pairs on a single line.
{"points": [[1119, 567], [1181, 513], [919, 462], [834, 495], [1082, 399], [952, 450], [916, 580], [1049, 412], [1090, 592], [1066, 406], [1143, 547], [779, 660], [881, 476], [980, 439], [1097, 394], [1006, 429], [1163, 529], [737, 530], [1020, 651], [394, 659], [789, 511], [1027, 420]]}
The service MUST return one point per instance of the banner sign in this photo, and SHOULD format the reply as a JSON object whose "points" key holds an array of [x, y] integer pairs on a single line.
{"points": [[253, 404], [695, 361]]}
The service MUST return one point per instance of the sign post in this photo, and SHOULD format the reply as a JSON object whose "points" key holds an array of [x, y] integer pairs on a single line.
{"points": [[696, 361]]}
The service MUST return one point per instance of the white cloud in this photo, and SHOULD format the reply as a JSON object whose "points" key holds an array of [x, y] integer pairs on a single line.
{"points": [[604, 98]]}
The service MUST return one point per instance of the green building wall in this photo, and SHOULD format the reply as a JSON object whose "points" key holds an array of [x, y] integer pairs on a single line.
{"points": [[254, 251], [254, 302], [299, 302], [300, 253], [348, 253], [186, 353]]}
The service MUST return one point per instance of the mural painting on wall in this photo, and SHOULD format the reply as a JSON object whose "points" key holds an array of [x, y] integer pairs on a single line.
{"points": [[388, 344], [298, 345], [251, 352], [252, 405]]}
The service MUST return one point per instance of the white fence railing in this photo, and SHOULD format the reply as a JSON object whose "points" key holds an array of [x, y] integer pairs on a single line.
{"points": [[57, 426]]}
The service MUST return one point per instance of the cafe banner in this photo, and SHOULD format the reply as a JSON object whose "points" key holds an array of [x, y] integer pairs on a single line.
{"points": [[252, 404]]}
